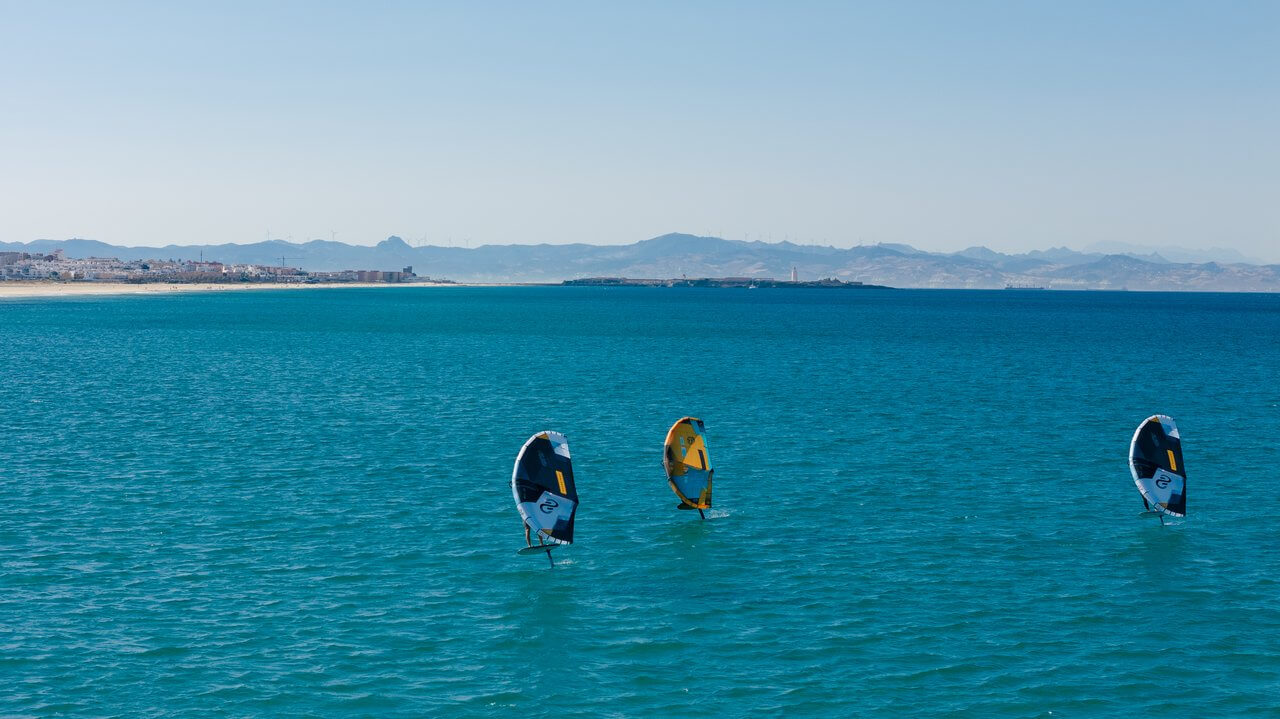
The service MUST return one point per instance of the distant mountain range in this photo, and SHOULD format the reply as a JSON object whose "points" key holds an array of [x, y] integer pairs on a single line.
{"points": [[677, 255]]}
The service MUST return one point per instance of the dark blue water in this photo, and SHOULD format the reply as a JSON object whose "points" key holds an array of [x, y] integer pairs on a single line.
{"points": [[298, 503]]}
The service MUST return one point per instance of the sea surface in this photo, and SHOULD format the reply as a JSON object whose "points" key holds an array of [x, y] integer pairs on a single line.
{"points": [[261, 504]]}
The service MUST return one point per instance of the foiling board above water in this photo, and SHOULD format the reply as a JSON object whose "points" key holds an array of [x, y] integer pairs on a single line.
{"points": [[536, 549]]}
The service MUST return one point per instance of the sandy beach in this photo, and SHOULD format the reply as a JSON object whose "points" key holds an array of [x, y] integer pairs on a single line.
{"points": [[15, 290]]}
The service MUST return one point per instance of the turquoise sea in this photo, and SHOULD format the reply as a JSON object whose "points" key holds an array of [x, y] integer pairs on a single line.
{"points": [[298, 504]]}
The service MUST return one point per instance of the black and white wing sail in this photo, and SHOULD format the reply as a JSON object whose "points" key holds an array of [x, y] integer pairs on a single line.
{"points": [[542, 483], [1155, 459]]}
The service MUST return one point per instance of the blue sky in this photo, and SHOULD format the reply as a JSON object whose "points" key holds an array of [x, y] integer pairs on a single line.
{"points": [[1016, 125]]}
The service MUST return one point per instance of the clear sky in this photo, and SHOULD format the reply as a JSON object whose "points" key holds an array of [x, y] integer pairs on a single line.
{"points": [[1018, 124]]}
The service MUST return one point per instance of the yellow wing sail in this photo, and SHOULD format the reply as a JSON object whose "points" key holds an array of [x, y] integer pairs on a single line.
{"points": [[688, 462]]}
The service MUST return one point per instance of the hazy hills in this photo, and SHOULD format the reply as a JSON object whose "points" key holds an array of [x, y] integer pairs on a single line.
{"points": [[676, 255]]}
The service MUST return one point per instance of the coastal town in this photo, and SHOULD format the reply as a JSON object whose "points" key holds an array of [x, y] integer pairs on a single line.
{"points": [[56, 266]]}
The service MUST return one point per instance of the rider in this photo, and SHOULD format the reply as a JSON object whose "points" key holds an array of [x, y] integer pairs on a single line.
{"points": [[528, 540]]}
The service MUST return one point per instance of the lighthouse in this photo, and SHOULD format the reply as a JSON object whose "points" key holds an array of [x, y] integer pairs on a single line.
{"points": [[794, 276]]}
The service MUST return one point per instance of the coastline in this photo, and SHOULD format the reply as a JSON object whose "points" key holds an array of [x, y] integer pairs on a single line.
{"points": [[27, 290]]}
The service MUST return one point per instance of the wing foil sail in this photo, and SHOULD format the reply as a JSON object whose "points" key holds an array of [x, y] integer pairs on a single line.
{"points": [[687, 462], [542, 484], [1155, 460]]}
